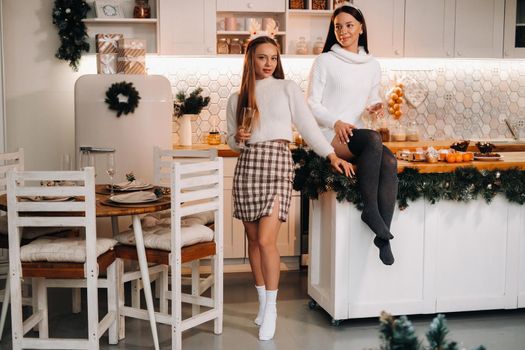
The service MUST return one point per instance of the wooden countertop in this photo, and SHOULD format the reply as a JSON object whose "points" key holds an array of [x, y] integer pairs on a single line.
{"points": [[511, 159], [498, 146], [222, 149]]}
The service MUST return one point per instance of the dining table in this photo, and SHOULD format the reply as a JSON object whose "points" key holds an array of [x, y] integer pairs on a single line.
{"points": [[108, 208]]}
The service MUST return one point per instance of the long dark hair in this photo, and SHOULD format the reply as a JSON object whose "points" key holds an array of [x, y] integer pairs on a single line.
{"points": [[247, 91], [331, 39]]}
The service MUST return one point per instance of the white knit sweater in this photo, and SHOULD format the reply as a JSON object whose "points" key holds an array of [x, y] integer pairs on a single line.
{"points": [[281, 103], [342, 84]]}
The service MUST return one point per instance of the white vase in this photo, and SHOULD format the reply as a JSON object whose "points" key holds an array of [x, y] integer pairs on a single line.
{"points": [[185, 129]]}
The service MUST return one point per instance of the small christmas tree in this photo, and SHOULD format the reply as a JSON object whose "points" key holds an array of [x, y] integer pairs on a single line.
{"points": [[399, 334]]}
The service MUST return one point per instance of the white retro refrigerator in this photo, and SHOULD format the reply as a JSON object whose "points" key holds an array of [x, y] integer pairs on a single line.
{"points": [[132, 136]]}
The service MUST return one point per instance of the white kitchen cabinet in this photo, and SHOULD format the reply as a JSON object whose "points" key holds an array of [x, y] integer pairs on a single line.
{"points": [[454, 28], [147, 28], [385, 23], [479, 28], [235, 245], [251, 5], [514, 43], [187, 27], [429, 28], [450, 256], [234, 240]]}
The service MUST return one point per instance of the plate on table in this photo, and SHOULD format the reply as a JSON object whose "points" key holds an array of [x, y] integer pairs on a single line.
{"points": [[136, 197], [488, 158], [49, 198], [130, 188]]}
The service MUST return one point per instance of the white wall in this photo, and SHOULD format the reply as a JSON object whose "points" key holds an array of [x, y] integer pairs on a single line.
{"points": [[38, 87]]}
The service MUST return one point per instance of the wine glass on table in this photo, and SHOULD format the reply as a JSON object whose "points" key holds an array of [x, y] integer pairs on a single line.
{"points": [[111, 168], [247, 121]]}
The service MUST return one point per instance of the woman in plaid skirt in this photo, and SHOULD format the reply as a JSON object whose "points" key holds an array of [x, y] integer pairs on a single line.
{"points": [[262, 184]]}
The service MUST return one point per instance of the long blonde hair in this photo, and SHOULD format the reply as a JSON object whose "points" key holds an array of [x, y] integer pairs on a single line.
{"points": [[247, 91]]}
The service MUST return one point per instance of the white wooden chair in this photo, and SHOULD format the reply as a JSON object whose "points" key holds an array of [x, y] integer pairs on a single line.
{"points": [[8, 161], [67, 262], [195, 188], [163, 160]]}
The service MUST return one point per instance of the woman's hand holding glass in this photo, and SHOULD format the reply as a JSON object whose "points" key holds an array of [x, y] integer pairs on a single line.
{"points": [[376, 109], [343, 131], [341, 165], [244, 131]]}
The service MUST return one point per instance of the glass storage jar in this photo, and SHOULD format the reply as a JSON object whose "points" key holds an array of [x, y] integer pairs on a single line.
{"points": [[222, 47], [398, 133], [141, 9], [301, 47], [235, 47], [318, 46], [412, 132], [383, 128]]}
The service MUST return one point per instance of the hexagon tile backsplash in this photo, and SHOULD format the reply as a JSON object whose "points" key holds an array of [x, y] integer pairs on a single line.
{"points": [[467, 99]]}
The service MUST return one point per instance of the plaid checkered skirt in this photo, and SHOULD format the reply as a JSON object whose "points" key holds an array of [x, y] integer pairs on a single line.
{"points": [[264, 171]]}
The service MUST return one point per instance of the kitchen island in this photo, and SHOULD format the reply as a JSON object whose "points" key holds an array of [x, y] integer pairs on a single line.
{"points": [[450, 256]]}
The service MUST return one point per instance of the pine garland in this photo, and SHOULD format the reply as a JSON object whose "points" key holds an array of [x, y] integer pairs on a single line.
{"points": [[68, 16], [313, 176]]}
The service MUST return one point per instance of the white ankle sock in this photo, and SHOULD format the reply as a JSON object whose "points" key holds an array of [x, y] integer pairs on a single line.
{"points": [[261, 292], [267, 330]]}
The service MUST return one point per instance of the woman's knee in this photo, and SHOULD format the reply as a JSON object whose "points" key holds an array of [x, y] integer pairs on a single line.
{"points": [[388, 161], [365, 139]]}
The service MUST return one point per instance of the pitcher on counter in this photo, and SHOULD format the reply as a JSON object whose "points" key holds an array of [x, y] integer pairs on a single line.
{"points": [[260, 120], [344, 86]]}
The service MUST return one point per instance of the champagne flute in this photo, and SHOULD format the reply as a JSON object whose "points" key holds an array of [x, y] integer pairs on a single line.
{"points": [[111, 169], [65, 162], [247, 121]]}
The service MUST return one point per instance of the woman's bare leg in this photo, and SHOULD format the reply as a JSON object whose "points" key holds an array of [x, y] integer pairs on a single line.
{"points": [[254, 254], [267, 232], [270, 259]]}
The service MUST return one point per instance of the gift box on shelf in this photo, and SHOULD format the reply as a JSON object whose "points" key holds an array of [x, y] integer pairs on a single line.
{"points": [[131, 58], [107, 43], [106, 63], [131, 64], [131, 47]]}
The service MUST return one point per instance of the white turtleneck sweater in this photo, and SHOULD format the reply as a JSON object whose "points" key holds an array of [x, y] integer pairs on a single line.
{"points": [[342, 84], [280, 103]]}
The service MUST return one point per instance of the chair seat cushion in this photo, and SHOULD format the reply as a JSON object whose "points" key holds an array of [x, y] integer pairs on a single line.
{"points": [[57, 249], [31, 233], [163, 218], [160, 237]]}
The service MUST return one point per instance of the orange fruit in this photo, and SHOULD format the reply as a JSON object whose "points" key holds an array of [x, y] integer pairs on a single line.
{"points": [[398, 91], [400, 100], [451, 158], [400, 85], [391, 102], [394, 96], [391, 110], [459, 157], [398, 113], [396, 107], [466, 157]]}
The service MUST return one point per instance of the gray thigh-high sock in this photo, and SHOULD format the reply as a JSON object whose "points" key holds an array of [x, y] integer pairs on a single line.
{"points": [[366, 145], [387, 194], [388, 185]]}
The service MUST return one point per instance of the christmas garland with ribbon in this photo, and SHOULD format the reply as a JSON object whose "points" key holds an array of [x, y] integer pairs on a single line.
{"points": [[122, 97], [68, 16], [313, 176]]}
